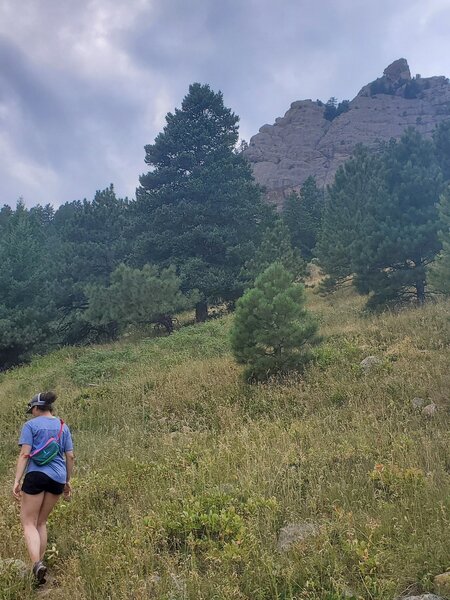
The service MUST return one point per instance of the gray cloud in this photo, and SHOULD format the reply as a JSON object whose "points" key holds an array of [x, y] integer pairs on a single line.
{"points": [[84, 86]]}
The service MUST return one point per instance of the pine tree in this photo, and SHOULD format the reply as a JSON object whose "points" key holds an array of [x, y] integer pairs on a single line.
{"points": [[345, 207], [275, 247], [92, 236], [89, 242], [330, 109], [440, 269], [138, 297], [302, 214], [441, 139], [380, 221], [26, 302], [397, 236], [199, 207], [5, 214], [273, 333]]}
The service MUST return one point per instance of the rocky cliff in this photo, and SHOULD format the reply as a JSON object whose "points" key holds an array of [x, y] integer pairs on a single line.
{"points": [[309, 141]]}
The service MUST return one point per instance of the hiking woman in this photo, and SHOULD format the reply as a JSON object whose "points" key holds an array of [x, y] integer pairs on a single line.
{"points": [[44, 440]]}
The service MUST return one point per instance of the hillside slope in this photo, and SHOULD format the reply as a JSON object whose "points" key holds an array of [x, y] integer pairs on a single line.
{"points": [[304, 142], [185, 476]]}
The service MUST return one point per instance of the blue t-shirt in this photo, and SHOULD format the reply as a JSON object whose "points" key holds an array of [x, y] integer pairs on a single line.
{"points": [[36, 432]]}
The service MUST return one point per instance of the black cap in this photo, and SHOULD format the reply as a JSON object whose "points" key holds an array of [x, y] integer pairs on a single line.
{"points": [[35, 401]]}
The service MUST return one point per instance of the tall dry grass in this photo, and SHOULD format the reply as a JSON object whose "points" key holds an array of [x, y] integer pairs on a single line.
{"points": [[185, 475]]}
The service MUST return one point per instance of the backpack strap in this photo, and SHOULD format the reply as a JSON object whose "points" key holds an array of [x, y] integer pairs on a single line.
{"points": [[60, 430]]}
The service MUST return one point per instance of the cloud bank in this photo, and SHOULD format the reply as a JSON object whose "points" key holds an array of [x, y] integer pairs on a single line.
{"points": [[84, 86]]}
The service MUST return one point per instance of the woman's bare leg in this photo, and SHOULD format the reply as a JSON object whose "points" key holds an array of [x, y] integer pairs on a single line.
{"points": [[47, 506], [29, 512]]}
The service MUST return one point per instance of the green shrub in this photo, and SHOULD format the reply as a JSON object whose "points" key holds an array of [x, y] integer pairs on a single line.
{"points": [[273, 333], [209, 521]]}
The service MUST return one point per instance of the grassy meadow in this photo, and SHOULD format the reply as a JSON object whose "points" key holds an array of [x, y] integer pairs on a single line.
{"points": [[185, 475]]}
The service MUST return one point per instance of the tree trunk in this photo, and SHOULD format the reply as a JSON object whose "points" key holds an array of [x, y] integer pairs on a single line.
{"points": [[278, 351], [167, 322], [420, 292], [201, 312]]}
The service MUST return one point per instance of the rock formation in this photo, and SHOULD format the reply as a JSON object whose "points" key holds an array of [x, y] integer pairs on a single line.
{"points": [[304, 142]]}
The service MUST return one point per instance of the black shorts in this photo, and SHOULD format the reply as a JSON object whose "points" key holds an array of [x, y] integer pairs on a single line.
{"points": [[36, 482]]}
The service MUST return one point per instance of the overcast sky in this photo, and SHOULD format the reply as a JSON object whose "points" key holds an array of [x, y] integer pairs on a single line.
{"points": [[85, 84]]}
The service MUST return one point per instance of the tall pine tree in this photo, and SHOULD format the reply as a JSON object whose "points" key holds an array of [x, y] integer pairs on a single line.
{"points": [[440, 269], [397, 238], [302, 214], [88, 244], [199, 208], [380, 222], [345, 208], [275, 247], [26, 300], [441, 139]]}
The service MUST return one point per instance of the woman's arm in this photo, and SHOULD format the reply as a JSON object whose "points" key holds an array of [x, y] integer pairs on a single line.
{"points": [[20, 468], [70, 459]]}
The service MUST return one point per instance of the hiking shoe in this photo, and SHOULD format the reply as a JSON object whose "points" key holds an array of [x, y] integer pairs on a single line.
{"points": [[39, 572]]}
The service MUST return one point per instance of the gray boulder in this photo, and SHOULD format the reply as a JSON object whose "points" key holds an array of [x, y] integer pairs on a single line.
{"points": [[293, 533], [442, 583], [370, 362], [13, 565], [430, 410], [422, 597], [417, 402]]}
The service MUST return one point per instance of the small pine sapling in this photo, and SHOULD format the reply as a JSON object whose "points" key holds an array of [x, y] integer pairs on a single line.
{"points": [[273, 333]]}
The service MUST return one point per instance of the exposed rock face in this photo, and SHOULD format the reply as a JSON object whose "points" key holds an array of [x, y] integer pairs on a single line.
{"points": [[398, 71], [304, 142]]}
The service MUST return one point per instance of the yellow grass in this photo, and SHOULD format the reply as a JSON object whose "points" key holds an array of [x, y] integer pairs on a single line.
{"points": [[185, 475]]}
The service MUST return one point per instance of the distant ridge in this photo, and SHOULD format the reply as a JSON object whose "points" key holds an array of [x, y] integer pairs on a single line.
{"points": [[309, 141]]}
